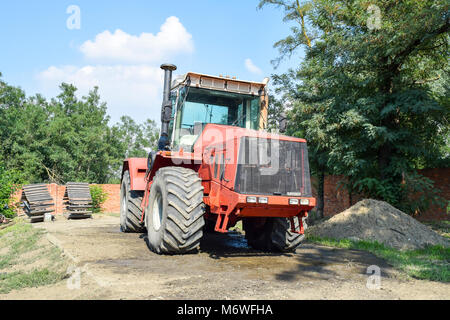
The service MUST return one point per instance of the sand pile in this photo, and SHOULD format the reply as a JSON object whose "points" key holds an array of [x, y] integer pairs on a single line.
{"points": [[379, 221]]}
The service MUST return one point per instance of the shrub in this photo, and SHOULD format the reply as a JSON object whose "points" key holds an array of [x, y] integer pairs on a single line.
{"points": [[414, 195], [10, 183], [98, 197], [420, 194]]}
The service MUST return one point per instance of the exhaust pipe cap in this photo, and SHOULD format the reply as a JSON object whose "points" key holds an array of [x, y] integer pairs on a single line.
{"points": [[168, 66]]}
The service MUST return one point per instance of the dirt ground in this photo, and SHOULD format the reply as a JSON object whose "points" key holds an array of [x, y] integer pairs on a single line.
{"points": [[114, 265]]}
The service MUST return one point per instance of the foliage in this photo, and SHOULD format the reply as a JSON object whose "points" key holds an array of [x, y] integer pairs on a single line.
{"points": [[275, 110], [417, 191], [99, 196], [10, 183], [420, 194], [372, 102], [430, 263], [139, 138], [133, 140], [381, 190], [67, 138]]}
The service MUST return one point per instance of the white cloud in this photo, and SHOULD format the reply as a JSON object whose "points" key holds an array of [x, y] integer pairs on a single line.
{"points": [[135, 90], [251, 67], [129, 78], [120, 46]]}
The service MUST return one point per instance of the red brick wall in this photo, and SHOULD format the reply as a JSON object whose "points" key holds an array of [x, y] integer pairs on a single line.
{"points": [[441, 178], [112, 203]]}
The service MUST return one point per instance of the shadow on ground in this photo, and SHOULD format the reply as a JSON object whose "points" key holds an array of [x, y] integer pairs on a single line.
{"points": [[229, 253], [310, 260]]}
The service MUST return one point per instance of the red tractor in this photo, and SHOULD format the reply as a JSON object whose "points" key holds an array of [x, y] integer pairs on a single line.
{"points": [[215, 166]]}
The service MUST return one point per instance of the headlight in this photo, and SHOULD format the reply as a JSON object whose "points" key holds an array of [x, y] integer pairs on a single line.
{"points": [[263, 200], [251, 199], [293, 202], [304, 202]]}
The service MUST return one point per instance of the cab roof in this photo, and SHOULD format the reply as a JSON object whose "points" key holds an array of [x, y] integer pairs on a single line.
{"points": [[220, 83]]}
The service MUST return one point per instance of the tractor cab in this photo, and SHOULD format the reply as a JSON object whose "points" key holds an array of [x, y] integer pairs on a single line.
{"points": [[198, 99]]}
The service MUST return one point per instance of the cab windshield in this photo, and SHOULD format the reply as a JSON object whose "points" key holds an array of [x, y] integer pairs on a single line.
{"points": [[197, 107]]}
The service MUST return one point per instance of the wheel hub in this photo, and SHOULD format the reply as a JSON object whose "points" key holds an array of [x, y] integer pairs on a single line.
{"points": [[157, 212], [123, 211]]}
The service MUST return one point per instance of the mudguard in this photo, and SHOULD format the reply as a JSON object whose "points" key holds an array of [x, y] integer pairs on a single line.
{"points": [[137, 168]]}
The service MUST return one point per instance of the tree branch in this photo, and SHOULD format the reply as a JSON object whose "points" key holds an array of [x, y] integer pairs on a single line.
{"points": [[302, 23]]}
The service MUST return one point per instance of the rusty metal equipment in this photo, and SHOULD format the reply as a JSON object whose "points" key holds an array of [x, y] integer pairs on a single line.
{"points": [[37, 201], [77, 201]]}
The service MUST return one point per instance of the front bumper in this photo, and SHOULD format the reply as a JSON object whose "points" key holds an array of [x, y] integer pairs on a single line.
{"points": [[276, 206]]}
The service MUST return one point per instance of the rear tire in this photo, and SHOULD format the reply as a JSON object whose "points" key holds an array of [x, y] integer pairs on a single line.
{"points": [[174, 215], [210, 226], [130, 207], [273, 234]]}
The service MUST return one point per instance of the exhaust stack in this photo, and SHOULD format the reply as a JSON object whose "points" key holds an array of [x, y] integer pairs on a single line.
{"points": [[166, 109]]}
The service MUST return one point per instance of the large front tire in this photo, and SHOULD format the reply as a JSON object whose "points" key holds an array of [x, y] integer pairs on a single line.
{"points": [[174, 215], [130, 207], [272, 234]]}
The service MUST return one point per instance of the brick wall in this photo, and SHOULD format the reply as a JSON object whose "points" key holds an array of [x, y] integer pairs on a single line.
{"points": [[112, 203], [441, 178]]}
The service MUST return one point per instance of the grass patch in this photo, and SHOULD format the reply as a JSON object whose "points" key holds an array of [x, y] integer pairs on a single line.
{"points": [[35, 278], [431, 263], [238, 227], [22, 246]]}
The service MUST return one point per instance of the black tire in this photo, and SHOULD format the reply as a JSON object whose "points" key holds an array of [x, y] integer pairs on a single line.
{"points": [[210, 226], [273, 234], [174, 215], [130, 207]]}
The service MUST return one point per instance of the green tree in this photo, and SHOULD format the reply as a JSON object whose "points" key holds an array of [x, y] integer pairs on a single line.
{"points": [[137, 139], [370, 96], [78, 132], [67, 138], [132, 140], [22, 131]]}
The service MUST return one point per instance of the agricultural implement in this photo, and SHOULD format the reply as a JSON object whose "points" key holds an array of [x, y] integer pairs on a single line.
{"points": [[37, 202], [78, 201], [216, 165]]}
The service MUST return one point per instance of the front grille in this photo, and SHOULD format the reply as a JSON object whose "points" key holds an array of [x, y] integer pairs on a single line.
{"points": [[273, 167]]}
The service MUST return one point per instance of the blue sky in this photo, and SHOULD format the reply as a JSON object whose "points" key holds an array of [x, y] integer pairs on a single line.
{"points": [[120, 45]]}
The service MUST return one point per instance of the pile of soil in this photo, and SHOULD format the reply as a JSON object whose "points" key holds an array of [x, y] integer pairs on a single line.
{"points": [[379, 221]]}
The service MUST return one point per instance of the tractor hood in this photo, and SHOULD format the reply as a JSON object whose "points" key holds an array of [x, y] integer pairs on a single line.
{"points": [[255, 162]]}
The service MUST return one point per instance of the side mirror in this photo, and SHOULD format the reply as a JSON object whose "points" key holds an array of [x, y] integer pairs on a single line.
{"points": [[282, 123]]}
